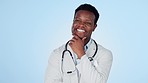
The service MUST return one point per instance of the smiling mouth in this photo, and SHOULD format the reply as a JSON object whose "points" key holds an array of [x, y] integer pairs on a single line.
{"points": [[80, 30]]}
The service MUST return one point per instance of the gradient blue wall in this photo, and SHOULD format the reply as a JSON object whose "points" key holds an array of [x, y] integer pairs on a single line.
{"points": [[31, 29]]}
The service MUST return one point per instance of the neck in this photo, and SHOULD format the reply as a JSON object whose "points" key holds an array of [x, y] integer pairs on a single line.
{"points": [[86, 41]]}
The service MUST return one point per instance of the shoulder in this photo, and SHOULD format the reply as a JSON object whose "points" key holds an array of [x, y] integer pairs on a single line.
{"points": [[56, 53], [101, 49], [104, 52], [59, 49]]}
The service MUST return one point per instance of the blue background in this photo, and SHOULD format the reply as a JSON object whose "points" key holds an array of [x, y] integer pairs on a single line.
{"points": [[31, 29]]}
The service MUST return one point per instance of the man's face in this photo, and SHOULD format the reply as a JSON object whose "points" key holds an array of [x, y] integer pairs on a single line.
{"points": [[83, 24]]}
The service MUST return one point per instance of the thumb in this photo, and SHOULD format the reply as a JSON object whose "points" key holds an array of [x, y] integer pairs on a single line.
{"points": [[83, 39]]}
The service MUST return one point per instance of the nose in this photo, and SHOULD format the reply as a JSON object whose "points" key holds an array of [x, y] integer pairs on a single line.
{"points": [[81, 24]]}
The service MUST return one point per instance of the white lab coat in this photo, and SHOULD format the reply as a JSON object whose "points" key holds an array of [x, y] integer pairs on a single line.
{"points": [[86, 71]]}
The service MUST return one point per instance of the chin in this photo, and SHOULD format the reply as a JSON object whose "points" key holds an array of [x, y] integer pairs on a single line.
{"points": [[81, 37]]}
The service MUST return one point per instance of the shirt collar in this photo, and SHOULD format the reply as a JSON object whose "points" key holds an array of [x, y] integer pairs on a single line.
{"points": [[88, 44]]}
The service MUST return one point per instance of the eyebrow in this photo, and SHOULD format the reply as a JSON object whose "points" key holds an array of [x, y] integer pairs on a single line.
{"points": [[85, 19]]}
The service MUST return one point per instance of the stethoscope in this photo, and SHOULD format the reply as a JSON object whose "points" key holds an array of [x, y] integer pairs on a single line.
{"points": [[66, 50]]}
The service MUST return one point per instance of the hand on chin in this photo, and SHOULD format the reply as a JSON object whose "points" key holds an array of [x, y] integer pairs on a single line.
{"points": [[80, 35]]}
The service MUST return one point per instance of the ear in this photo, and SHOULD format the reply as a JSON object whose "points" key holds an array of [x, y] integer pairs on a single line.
{"points": [[94, 27]]}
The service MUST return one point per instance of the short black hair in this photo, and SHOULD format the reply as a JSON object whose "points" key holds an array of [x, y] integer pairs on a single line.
{"points": [[89, 8]]}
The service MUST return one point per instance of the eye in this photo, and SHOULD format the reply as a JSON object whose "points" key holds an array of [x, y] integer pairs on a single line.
{"points": [[76, 21], [88, 24]]}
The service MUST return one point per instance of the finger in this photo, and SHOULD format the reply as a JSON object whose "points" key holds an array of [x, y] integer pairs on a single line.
{"points": [[76, 37], [71, 41], [83, 39]]}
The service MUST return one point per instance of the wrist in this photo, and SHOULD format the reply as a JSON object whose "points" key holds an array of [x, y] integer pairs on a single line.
{"points": [[80, 55]]}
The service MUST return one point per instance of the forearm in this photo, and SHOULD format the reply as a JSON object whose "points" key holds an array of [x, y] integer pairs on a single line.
{"points": [[95, 72]]}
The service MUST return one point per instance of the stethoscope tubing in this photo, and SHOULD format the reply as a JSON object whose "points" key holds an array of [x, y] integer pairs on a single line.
{"points": [[66, 50]]}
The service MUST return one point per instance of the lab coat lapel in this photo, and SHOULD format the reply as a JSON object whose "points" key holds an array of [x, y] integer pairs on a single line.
{"points": [[69, 65]]}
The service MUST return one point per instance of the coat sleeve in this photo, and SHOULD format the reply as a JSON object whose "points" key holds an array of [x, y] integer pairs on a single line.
{"points": [[52, 74], [96, 71]]}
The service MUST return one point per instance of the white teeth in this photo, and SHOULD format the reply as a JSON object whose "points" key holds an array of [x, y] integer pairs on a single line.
{"points": [[80, 30]]}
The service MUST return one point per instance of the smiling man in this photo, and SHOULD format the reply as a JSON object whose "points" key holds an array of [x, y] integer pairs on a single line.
{"points": [[81, 59]]}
